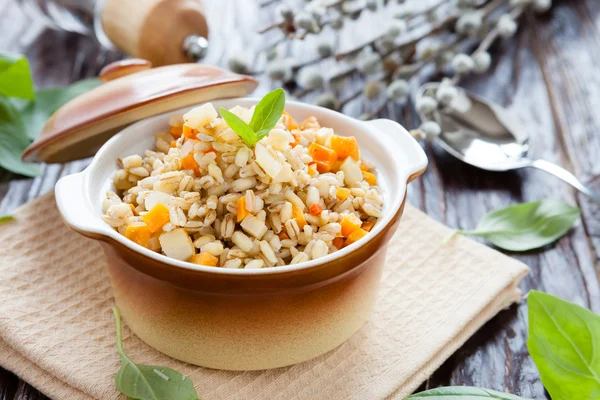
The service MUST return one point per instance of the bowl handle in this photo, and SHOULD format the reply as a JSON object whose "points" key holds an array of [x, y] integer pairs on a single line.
{"points": [[74, 208], [397, 133]]}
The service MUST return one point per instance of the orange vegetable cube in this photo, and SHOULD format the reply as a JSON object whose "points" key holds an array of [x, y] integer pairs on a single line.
{"points": [[338, 242], [324, 157], [323, 167], [336, 166], [189, 132], [298, 215], [173, 143], [139, 234], [344, 147], [342, 193], [157, 217], [242, 211], [205, 258], [188, 162], [370, 178], [315, 209], [350, 223], [368, 225], [312, 169], [297, 137], [176, 131], [363, 167], [355, 236], [290, 124]]}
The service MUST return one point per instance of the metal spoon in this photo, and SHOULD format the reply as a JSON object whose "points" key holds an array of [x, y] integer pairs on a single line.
{"points": [[482, 134]]}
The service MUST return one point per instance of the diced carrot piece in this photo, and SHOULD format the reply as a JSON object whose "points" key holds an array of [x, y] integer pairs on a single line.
{"points": [[312, 169], [176, 131], [324, 157], [336, 166], [315, 209], [299, 216], [139, 234], [173, 143], [342, 193], [370, 178], [368, 225], [157, 217], [283, 236], [363, 167], [350, 223], [189, 132], [290, 124], [355, 236], [242, 211], [205, 258], [338, 242], [189, 162], [344, 147], [297, 136]]}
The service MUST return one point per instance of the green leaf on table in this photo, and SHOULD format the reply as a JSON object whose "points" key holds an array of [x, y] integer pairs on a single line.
{"points": [[268, 112], [462, 393], [526, 226], [266, 115], [6, 218], [149, 382], [36, 112], [15, 77], [13, 141], [564, 342]]}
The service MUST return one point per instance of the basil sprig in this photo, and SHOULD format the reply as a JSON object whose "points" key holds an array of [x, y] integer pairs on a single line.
{"points": [[564, 339], [266, 114], [149, 382], [13, 140], [15, 77], [526, 226], [462, 393], [23, 111]]}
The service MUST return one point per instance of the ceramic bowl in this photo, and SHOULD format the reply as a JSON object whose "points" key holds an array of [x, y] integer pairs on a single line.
{"points": [[245, 319]]}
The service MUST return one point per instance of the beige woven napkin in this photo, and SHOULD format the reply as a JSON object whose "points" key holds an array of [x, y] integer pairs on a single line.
{"points": [[57, 332]]}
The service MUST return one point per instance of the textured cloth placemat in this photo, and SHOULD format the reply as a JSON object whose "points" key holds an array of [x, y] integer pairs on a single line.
{"points": [[57, 331]]}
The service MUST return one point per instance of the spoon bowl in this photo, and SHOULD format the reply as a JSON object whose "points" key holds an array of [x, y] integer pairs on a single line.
{"points": [[483, 134]]}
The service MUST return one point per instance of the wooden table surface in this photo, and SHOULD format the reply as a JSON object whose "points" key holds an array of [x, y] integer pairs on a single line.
{"points": [[547, 76]]}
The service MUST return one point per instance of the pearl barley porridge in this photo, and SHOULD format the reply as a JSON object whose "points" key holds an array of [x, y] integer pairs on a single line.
{"points": [[203, 195]]}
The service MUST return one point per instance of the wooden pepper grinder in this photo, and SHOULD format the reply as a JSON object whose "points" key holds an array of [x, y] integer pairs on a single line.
{"points": [[161, 31]]}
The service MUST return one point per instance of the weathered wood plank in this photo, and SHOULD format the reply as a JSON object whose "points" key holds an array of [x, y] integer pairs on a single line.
{"points": [[546, 77]]}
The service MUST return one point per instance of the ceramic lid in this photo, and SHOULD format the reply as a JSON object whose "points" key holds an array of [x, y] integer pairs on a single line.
{"points": [[133, 91]]}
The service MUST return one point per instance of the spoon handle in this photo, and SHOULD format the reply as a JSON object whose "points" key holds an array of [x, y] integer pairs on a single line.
{"points": [[565, 176]]}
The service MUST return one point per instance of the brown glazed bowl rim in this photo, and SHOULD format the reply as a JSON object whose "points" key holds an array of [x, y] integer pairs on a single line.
{"points": [[397, 156]]}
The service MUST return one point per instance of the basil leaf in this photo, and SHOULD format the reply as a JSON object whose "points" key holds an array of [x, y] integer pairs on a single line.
{"points": [[15, 77], [268, 112], [37, 112], [240, 127], [563, 341], [6, 218], [13, 141], [149, 382], [462, 393], [527, 226]]}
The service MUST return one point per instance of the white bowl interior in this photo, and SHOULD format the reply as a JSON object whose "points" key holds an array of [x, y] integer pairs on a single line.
{"points": [[384, 144]]}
